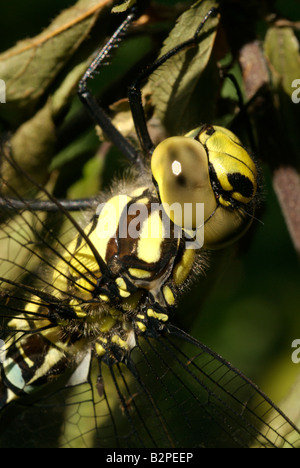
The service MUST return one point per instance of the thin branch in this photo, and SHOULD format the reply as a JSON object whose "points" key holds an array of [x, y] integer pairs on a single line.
{"points": [[274, 147]]}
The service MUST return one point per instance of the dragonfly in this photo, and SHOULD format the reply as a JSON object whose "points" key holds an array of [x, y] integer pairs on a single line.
{"points": [[91, 354]]}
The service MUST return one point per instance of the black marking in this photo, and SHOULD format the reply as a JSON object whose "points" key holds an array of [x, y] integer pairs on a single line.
{"points": [[209, 130], [181, 180], [241, 184]]}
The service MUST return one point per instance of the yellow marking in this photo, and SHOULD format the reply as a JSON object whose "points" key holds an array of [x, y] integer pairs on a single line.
{"points": [[118, 341], [101, 338], [24, 323], [138, 192], [138, 273], [239, 197], [228, 133], [158, 316], [120, 282], [10, 396], [223, 201], [83, 259], [240, 160], [77, 309], [183, 268], [31, 308], [124, 294], [140, 316], [99, 349], [54, 355], [169, 296], [21, 322], [226, 146], [104, 298], [108, 222], [141, 326], [29, 362], [54, 336], [151, 237]]}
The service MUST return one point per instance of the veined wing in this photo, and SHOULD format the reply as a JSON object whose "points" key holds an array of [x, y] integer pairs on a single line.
{"points": [[172, 391]]}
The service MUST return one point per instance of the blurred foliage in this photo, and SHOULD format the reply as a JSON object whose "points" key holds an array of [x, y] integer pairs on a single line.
{"points": [[247, 309]]}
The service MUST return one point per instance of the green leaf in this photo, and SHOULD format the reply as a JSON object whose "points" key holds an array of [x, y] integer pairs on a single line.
{"points": [[124, 6], [282, 51], [41, 76], [182, 94], [90, 183], [30, 68]]}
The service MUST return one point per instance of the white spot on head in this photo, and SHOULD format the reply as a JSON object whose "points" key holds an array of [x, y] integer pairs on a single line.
{"points": [[176, 168]]}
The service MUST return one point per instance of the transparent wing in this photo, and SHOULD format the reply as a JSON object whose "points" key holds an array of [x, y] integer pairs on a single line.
{"points": [[172, 392], [175, 393]]}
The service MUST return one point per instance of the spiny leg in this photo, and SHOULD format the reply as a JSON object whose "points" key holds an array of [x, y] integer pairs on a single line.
{"points": [[99, 116], [103, 120], [135, 95], [11, 204], [86, 97]]}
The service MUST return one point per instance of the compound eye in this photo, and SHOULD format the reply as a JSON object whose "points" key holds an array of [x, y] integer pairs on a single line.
{"points": [[232, 168], [180, 170], [225, 227]]}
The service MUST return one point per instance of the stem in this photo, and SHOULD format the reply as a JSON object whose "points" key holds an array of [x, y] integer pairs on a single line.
{"points": [[274, 147]]}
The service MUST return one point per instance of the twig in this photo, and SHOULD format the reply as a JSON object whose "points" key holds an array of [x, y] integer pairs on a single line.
{"points": [[275, 150]]}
